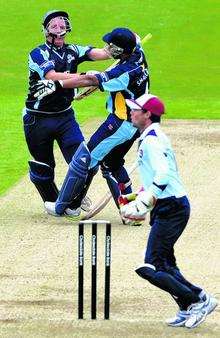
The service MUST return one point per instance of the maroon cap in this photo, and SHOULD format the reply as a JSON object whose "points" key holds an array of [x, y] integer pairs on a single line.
{"points": [[147, 102]]}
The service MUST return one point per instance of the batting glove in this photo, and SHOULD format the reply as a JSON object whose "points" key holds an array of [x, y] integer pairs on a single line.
{"points": [[138, 209], [45, 87]]}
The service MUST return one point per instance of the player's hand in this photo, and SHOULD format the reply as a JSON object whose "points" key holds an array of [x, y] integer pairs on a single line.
{"points": [[138, 209], [45, 87]]}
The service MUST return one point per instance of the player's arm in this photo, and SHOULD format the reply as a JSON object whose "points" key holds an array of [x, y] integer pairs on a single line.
{"points": [[99, 54], [46, 87], [80, 81], [146, 199], [114, 80], [55, 76]]}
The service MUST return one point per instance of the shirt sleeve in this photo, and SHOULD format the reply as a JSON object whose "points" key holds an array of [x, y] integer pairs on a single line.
{"points": [[39, 62], [159, 163], [113, 85], [83, 53]]}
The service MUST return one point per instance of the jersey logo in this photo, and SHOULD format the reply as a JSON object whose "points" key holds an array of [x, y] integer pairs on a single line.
{"points": [[104, 76], [140, 153], [142, 79], [70, 58], [83, 159]]}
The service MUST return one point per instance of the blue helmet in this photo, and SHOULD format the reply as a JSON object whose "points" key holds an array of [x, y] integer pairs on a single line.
{"points": [[122, 38]]}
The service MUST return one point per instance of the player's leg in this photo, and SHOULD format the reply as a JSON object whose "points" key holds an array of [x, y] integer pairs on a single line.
{"points": [[166, 228], [110, 134], [79, 200], [76, 154], [113, 131], [68, 135], [75, 178], [114, 164], [106, 147], [173, 269], [40, 145], [116, 175], [183, 314], [70, 140], [168, 223]]}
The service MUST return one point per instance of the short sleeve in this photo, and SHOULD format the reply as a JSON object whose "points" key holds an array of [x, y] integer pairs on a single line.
{"points": [[83, 53], [113, 85], [39, 62]]}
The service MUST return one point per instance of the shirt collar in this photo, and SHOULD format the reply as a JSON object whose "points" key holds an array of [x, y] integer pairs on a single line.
{"points": [[57, 49], [152, 126]]}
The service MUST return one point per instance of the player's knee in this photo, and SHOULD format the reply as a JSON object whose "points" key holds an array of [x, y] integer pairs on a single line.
{"points": [[42, 175], [40, 172], [146, 271], [81, 160]]}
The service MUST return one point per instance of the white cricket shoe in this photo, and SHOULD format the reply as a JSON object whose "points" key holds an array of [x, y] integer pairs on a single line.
{"points": [[210, 303], [179, 320], [51, 210], [198, 314]]}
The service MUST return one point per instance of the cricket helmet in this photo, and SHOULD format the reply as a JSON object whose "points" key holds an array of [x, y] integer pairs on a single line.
{"points": [[56, 14], [122, 38]]}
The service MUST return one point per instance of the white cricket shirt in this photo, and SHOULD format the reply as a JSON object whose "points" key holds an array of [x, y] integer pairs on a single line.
{"points": [[157, 164]]}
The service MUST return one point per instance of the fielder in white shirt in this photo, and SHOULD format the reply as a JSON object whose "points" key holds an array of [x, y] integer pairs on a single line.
{"points": [[164, 196]]}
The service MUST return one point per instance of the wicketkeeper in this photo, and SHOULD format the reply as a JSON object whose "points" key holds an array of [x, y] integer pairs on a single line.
{"points": [[164, 197]]}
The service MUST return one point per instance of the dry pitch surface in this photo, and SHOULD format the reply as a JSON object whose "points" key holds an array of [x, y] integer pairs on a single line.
{"points": [[38, 265]]}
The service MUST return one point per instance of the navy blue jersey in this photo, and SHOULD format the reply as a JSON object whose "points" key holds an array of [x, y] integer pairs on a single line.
{"points": [[64, 59], [128, 79]]}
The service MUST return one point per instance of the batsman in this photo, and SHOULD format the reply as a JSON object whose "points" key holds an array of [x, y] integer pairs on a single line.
{"points": [[128, 79], [53, 119]]}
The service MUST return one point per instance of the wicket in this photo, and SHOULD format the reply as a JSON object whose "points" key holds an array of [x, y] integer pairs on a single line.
{"points": [[94, 268]]}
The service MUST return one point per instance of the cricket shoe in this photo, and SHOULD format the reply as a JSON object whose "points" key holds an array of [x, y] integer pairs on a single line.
{"points": [[198, 314], [72, 213], [179, 320], [210, 303]]}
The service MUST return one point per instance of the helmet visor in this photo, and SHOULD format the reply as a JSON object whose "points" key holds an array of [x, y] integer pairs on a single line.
{"points": [[58, 27]]}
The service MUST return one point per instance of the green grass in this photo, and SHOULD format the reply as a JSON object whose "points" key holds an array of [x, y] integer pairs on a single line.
{"points": [[183, 58]]}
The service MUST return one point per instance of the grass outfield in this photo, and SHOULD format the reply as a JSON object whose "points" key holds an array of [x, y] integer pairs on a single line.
{"points": [[182, 56]]}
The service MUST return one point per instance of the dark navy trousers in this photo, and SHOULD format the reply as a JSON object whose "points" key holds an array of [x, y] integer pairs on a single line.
{"points": [[168, 220], [42, 130]]}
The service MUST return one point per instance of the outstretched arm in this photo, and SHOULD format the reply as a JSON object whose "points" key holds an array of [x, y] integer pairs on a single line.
{"points": [[46, 87], [99, 54], [80, 81]]}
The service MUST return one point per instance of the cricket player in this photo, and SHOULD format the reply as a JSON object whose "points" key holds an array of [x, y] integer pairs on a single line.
{"points": [[53, 118], [164, 196], [128, 79]]}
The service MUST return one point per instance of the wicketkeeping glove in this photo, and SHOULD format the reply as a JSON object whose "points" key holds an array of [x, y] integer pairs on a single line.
{"points": [[125, 199], [138, 209], [45, 87]]}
